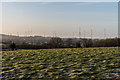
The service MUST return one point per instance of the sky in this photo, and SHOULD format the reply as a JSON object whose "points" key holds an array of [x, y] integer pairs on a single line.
{"points": [[62, 19], [60, 0]]}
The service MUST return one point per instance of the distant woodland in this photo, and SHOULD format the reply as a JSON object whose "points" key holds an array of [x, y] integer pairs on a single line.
{"points": [[39, 42]]}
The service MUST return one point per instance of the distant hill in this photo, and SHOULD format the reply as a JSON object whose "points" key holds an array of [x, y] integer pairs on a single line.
{"points": [[29, 39], [25, 39]]}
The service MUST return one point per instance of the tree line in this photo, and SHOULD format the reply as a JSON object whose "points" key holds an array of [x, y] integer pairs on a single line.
{"points": [[57, 42]]}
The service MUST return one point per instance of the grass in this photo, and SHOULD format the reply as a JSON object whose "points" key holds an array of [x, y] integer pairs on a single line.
{"points": [[86, 63]]}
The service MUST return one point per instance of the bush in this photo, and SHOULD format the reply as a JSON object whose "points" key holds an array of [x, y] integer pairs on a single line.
{"points": [[12, 46]]}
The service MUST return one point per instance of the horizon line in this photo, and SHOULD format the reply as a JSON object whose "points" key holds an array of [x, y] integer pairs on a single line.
{"points": [[58, 36]]}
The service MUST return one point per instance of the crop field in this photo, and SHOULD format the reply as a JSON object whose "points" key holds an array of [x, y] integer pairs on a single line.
{"points": [[74, 63]]}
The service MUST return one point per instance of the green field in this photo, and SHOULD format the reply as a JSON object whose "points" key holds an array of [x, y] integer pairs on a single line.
{"points": [[75, 63]]}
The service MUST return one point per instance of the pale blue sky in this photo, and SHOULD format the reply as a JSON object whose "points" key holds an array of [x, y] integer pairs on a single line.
{"points": [[59, 0], [62, 18]]}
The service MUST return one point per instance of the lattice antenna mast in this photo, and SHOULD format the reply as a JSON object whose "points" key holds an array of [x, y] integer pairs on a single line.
{"points": [[31, 40], [17, 34], [104, 33], [31, 32], [28, 33], [44, 34], [91, 33], [73, 35], [79, 32], [84, 33], [25, 34], [55, 34]]}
